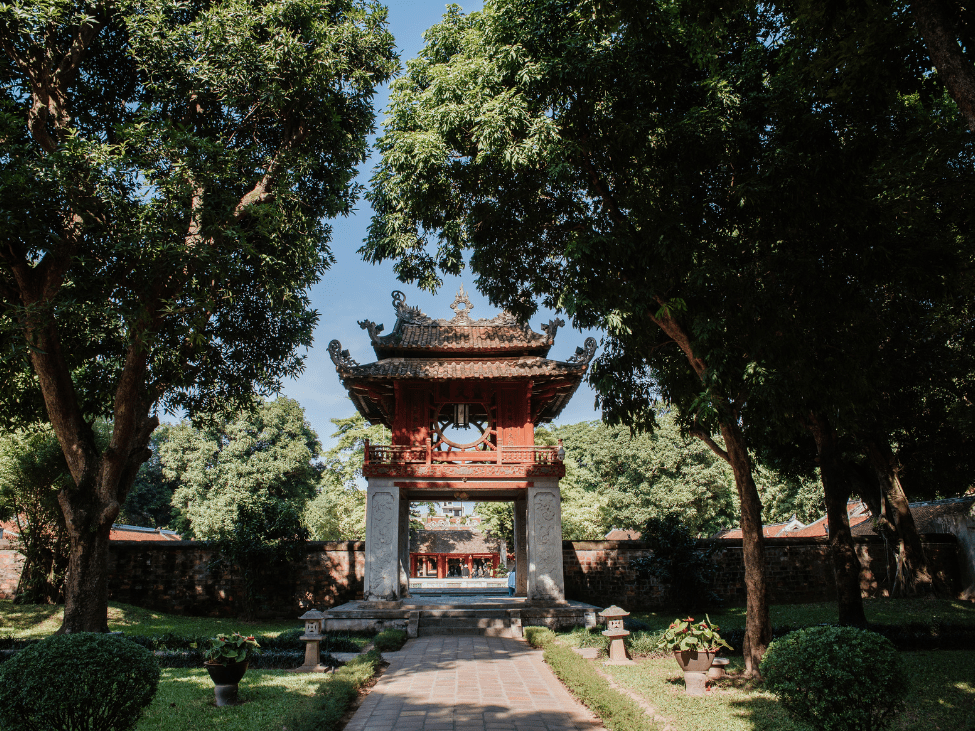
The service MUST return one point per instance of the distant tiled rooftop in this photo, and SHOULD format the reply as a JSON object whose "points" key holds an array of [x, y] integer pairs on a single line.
{"points": [[138, 533], [926, 514]]}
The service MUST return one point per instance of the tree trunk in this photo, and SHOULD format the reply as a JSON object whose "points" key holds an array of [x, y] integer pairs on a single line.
{"points": [[913, 575], [836, 486], [758, 625], [86, 583], [940, 35]]}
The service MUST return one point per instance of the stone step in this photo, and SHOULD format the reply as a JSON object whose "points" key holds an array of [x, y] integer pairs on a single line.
{"points": [[462, 622], [462, 613], [467, 632]]}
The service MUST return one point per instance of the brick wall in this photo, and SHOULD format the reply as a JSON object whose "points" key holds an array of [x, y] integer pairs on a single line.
{"points": [[798, 569], [183, 577], [11, 561]]}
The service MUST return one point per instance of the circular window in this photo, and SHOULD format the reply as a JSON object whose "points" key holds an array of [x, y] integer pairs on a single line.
{"points": [[473, 432]]}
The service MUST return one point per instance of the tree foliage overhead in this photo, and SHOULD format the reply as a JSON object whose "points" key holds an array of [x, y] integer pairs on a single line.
{"points": [[166, 172]]}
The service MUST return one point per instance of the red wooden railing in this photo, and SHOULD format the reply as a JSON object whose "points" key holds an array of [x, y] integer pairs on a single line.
{"points": [[397, 454]]}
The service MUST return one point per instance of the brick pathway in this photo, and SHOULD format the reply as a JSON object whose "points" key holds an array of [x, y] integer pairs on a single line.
{"points": [[470, 683]]}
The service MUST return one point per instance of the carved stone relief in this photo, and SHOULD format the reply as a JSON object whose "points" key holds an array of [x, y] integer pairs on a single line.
{"points": [[384, 536]]}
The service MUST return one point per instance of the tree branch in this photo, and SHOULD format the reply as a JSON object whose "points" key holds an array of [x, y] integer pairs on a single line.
{"points": [[706, 438], [957, 72]]}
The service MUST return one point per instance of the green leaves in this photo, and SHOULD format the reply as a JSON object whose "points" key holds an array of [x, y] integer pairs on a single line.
{"points": [[686, 634]]}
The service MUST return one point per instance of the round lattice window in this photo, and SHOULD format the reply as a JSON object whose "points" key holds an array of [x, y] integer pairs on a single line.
{"points": [[449, 435]]}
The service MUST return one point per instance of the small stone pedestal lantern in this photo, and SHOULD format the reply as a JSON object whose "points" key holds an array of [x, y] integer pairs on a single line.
{"points": [[614, 630], [312, 639]]}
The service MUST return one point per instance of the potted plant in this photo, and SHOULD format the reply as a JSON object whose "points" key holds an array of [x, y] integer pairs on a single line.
{"points": [[225, 658], [695, 645]]}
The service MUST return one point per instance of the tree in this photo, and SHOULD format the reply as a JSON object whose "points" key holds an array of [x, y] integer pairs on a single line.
{"points": [[32, 471], [506, 138], [150, 501], [338, 511], [677, 175], [166, 173], [241, 466]]}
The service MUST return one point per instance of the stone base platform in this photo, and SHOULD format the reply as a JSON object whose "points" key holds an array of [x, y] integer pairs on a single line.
{"points": [[424, 616]]}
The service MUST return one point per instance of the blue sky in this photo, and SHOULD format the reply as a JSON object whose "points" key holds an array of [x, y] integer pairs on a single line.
{"points": [[353, 290]]}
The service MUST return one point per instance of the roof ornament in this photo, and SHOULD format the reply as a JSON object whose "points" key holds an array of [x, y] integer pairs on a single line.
{"points": [[552, 327], [584, 355], [461, 316], [373, 329], [340, 358], [409, 315]]}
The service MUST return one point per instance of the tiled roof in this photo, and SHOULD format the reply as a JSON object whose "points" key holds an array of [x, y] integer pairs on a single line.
{"points": [[819, 527], [415, 331], [623, 535], [138, 533], [9, 529], [928, 514], [459, 540], [468, 338], [456, 369]]}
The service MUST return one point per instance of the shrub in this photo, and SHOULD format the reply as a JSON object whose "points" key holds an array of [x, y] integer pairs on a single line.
{"points": [[681, 564], [390, 640], [336, 696], [836, 678], [77, 682]]}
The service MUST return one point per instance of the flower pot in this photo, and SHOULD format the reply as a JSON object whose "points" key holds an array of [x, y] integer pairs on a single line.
{"points": [[694, 661], [695, 665], [225, 680]]}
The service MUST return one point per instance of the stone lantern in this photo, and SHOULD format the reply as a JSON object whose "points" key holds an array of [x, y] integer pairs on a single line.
{"points": [[614, 630], [312, 639]]}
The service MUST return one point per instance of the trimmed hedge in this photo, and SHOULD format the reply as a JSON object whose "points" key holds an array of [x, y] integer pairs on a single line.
{"points": [[178, 651], [837, 678], [618, 712], [84, 681], [390, 640], [336, 696]]}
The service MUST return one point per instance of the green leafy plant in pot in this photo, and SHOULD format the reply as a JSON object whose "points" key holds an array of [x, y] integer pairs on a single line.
{"points": [[695, 645], [225, 658]]}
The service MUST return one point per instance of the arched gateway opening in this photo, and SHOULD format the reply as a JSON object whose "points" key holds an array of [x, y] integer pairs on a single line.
{"points": [[462, 398]]}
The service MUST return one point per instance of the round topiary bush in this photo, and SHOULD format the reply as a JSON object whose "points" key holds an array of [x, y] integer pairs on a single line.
{"points": [[77, 682], [836, 678]]}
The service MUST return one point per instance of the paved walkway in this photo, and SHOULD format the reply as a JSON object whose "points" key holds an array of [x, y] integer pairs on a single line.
{"points": [[470, 683]]}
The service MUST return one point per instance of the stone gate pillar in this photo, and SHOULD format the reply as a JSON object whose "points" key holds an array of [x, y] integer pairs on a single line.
{"points": [[521, 548], [404, 546], [546, 581], [383, 542]]}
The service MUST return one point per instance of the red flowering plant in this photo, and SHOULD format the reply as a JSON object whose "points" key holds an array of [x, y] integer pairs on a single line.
{"points": [[225, 649], [686, 634]]}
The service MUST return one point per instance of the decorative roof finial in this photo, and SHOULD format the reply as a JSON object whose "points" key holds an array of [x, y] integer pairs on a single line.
{"points": [[461, 316], [584, 355]]}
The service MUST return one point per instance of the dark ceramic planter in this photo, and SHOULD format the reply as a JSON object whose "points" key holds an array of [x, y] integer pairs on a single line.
{"points": [[225, 680]]}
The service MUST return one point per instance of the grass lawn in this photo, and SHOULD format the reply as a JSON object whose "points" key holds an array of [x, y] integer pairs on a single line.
{"points": [[185, 701], [881, 611], [42, 620], [942, 696]]}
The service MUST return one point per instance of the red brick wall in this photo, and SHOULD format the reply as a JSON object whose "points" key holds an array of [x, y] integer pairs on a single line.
{"points": [[798, 569], [183, 577], [11, 561]]}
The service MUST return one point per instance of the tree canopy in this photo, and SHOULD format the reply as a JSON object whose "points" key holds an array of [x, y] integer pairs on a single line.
{"points": [[740, 215], [167, 173]]}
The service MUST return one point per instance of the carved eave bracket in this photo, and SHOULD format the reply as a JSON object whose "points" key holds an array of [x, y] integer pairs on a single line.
{"points": [[340, 358], [552, 327], [373, 329], [584, 354]]}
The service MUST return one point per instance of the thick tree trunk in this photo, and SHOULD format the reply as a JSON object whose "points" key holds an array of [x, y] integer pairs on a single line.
{"points": [[937, 28], [913, 575], [836, 486], [758, 625], [86, 584]]}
